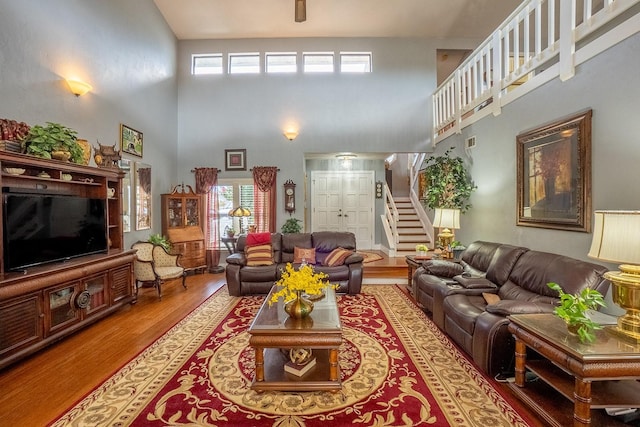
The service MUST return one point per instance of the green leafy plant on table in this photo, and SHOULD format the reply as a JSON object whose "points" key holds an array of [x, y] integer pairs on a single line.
{"points": [[160, 240], [573, 310], [53, 141], [448, 184], [291, 225], [421, 247]]}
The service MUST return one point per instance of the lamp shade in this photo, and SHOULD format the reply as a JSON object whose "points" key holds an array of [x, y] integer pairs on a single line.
{"points": [[239, 212], [447, 218], [616, 237], [78, 87]]}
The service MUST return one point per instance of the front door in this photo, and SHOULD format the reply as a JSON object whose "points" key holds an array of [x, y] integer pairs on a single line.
{"points": [[344, 201]]}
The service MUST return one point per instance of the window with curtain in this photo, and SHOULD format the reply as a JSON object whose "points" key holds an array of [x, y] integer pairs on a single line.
{"points": [[231, 194]]}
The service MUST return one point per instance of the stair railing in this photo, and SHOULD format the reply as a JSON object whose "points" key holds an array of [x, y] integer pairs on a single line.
{"points": [[414, 178], [390, 220], [539, 41]]}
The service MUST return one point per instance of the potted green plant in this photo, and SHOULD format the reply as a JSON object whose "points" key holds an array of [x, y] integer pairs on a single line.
{"points": [[160, 240], [53, 141], [292, 225], [573, 310], [230, 231], [448, 184], [457, 249]]}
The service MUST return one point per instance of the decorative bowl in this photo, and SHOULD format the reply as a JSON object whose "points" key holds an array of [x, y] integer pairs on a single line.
{"points": [[66, 177], [14, 171]]}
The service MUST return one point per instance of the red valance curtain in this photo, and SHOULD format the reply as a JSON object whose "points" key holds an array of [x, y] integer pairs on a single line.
{"points": [[206, 181], [264, 198]]}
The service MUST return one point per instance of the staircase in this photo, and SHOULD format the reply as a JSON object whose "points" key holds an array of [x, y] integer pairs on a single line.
{"points": [[410, 230]]}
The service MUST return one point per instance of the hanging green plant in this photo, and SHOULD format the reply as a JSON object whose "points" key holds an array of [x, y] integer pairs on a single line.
{"points": [[448, 184]]}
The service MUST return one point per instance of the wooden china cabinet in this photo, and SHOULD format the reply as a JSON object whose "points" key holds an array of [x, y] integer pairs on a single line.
{"points": [[42, 303], [182, 220]]}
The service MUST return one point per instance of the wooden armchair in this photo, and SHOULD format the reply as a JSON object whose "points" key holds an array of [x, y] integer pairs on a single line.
{"points": [[154, 265]]}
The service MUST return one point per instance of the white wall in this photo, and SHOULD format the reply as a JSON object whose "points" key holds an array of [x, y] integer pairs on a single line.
{"points": [[124, 49], [385, 111]]}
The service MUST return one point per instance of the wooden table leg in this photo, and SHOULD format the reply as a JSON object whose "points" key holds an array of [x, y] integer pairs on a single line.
{"points": [[582, 403], [259, 364], [521, 361], [334, 372]]}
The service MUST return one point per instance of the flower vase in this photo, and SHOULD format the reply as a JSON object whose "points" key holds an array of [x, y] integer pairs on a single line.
{"points": [[298, 308]]}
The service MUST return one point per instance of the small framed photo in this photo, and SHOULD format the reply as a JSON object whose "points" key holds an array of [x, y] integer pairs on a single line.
{"points": [[235, 160], [130, 140]]}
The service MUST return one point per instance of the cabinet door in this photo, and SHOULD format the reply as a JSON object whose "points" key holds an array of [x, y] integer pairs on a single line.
{"points": [[61, 309], [174, 212], [192, 209], [98, 293], [21, 323], [121, 283]]}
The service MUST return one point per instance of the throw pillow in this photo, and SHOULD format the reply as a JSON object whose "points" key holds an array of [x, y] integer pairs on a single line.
{"points": [[337, 257], [490, 298], [306, 254], [258, 239], [259, 255]]}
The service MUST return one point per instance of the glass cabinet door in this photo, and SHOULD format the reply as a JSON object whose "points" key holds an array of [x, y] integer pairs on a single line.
{"points": [[61, 307], [97, 288], [175, 212], [193, 212]]}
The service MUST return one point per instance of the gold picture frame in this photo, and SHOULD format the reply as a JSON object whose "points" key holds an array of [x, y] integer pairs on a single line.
{"points": [[554, 175], [131, 140]]}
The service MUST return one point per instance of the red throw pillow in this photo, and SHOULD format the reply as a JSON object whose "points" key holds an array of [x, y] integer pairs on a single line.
{"points": [[259, 255], [337, 257], [306, 254], [258, 238]]}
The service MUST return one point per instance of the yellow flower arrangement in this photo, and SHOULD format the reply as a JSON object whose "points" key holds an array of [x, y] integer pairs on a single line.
{"points": [[304, 279]]}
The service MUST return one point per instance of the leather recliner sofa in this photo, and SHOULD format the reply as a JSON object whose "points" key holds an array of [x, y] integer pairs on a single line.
{"points": [[249, 280], [516, 277]]}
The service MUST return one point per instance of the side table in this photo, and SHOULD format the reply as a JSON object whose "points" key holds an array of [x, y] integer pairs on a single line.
{"points": [[413, 262], [598, 375], [230, 243]]}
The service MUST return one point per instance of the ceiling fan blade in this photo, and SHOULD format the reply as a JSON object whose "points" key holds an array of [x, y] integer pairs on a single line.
{"points": [[301, 10]]}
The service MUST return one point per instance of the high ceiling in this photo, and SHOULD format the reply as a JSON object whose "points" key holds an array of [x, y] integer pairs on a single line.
{"points": [[230, 19]]}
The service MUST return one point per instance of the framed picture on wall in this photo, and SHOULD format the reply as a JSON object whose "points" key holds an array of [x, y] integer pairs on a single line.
{"points": [[554, 175], [235, 160], [130, 140]]}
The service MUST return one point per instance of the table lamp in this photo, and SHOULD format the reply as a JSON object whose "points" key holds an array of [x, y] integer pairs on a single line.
{"points": [[616, 238], [239, 213], [446, 220]]}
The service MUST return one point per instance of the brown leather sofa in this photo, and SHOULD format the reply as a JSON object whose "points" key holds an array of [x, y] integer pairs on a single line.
{"points": [[453, 292], [248, 280]]}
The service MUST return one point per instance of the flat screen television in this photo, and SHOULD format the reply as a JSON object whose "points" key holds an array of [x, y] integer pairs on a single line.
{"points": [[43, 228]]}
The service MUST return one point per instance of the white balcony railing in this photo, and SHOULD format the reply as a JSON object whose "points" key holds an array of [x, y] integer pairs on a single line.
{"points": [[539, 41]]}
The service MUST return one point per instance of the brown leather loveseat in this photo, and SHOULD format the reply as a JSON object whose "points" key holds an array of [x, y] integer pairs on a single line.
{"points": [[243, 279], [471, 300]]}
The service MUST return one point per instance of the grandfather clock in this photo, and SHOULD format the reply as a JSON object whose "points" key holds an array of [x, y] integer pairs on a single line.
{"points": [[289, 196]]}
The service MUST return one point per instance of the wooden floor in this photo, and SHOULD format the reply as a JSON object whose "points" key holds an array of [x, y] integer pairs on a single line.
{"points": [[35, 391]]}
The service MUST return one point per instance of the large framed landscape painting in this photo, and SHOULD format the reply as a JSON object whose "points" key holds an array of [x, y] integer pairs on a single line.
{"points": [[554, 175]]}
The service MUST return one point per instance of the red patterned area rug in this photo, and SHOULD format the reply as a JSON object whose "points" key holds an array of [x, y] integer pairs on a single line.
{"points": [[397, 370]]}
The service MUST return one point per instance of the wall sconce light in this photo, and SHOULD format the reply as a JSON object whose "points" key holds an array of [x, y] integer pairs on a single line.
{"points": [[290, 134], [78, 87]]}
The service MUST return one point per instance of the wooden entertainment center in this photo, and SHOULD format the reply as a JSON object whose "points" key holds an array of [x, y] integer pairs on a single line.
{"points": [[41, 304]]}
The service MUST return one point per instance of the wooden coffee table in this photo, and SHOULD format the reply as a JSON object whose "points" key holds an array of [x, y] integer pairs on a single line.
{"points": [[602, 374], [272, 331]]}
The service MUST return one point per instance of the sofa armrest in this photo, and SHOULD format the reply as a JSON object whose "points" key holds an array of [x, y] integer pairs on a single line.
{"points": [[469, 282], [442, 268], [506, 307], [237, 259], [354, 258]]}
